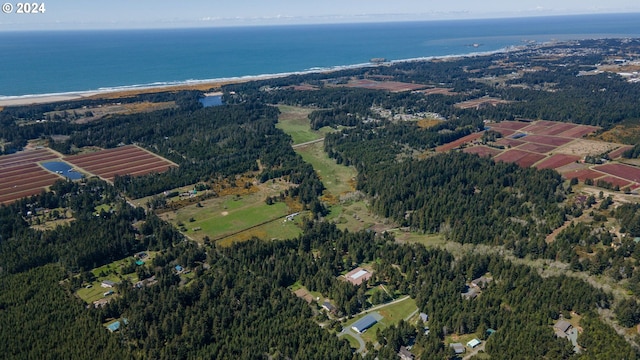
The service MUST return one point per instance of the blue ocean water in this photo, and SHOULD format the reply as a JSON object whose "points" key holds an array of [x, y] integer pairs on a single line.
{"points": [[72, 61]]}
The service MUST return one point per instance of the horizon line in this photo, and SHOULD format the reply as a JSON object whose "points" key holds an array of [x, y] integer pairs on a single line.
{"points": [[265, 22]]}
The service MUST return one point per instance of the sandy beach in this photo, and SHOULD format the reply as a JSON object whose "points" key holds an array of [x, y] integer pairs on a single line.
{"points": [[43, 99], [211, 87]]}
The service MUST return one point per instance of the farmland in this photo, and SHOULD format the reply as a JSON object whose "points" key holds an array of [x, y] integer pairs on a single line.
{"points": [[17, 168], [393, 86], [552, 145], [22, 174], [123, 160]]}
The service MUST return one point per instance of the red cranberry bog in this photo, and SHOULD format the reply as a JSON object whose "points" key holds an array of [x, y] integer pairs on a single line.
{"points": [[21, 175], [552, 145], [124, 160], [392, 86]]}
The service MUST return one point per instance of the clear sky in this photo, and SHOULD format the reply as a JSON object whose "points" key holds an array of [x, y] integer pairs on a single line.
{"points": [[114, 14]]}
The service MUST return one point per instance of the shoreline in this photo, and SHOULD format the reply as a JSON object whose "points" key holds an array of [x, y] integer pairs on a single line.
{"points": [[214, 84]]}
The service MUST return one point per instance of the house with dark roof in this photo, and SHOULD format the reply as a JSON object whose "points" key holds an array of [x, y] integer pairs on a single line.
{"points": [[363, 324], [328, 306]]}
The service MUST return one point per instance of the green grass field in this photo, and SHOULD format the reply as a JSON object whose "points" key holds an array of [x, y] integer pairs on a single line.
{"points": [[352, 342], [238, 216], [338, 179], [392, 314], [354, 216], [294, 121], [113, 272], [235, 218]]}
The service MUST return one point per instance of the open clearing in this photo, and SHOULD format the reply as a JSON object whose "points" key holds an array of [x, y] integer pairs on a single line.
{"points": [[88, 114], [294, 121], [232, 215], [347, 211], [338, 179], [391, 315]]}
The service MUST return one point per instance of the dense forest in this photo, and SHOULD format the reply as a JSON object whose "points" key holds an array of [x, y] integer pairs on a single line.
{"points": [[237, 302]]}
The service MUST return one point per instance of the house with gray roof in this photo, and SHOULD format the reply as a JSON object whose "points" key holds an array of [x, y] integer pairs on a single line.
{"points": [[363, 324]]}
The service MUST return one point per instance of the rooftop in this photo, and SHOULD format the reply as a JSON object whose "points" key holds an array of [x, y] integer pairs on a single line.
{"points": [[364, 323], [458, 348]]}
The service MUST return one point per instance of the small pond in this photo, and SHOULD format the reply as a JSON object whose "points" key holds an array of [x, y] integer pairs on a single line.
{"points": [[64, 169], [211, 100]]}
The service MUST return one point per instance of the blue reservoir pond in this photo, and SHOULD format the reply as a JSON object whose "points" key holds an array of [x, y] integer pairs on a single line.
{"points": [[214, 100], [64, 169]]}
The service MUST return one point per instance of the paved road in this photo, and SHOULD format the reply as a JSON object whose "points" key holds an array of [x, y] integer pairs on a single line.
{"points": [[353, 334]]}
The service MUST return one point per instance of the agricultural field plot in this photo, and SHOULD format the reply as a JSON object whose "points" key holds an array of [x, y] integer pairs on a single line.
{"points": [[504, 132], [618, 152], [510, 125], [509, 142], [555, 145], [615, 181], [21, 176], [123, 160], [583, 174], [626, 172], [455, 144], [482, 151], [557, 160], [537, 127], [536, 148], [575, 166], [579, 131], [547, 140], [557, 129], [522, 158], [393, 86]]}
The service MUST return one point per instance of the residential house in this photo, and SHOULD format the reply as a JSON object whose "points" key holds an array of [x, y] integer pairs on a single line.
{"points": [[107, 284], [458, 348], [405, 354]]}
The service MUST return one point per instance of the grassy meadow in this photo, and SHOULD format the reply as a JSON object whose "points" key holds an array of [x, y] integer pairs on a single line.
{"points": [[294, 121], [233, 218]]}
